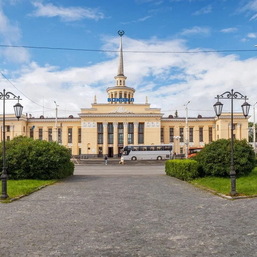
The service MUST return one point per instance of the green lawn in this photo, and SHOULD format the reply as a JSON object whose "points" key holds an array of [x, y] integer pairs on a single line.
{"points": [[245, 186], [17, 188]]}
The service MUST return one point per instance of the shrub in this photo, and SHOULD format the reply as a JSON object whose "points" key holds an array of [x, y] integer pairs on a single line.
{"points": [[37, 159], [215, 159], [182, 169]]}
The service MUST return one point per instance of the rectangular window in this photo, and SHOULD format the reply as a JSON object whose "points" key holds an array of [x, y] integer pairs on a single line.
{"points": [[201, 134], [40, 134], [171, 134], [50, 134], [59, 135], [191, 134], [100, 133], [110, 133], [181, 134], [69, 135], [7, 128], [162, 135], [141, 127], [31, 132], [210, 134], [120, 133], [131, 133], [79, 135]]}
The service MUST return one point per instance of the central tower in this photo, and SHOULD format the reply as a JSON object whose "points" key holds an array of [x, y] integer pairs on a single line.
{"points": [[120, 93]]}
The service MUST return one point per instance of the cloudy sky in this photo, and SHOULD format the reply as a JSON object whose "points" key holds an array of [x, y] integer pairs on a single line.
{"points": [[175, 51]]}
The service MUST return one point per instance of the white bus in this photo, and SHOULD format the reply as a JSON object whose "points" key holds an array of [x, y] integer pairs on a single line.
{"points": [[147, 152]]}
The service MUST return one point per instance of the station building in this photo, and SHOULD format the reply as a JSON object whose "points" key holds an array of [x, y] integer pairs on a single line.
{"points": [[105, 128]]}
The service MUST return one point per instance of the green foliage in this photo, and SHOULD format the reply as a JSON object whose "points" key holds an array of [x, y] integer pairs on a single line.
{"points": [[215, 158], [182, 169], [37, 159], [245, 185], [18, 188]]}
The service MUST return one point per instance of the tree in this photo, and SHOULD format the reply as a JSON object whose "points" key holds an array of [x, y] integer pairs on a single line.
{"points": [[37, 159], [214, 159]]}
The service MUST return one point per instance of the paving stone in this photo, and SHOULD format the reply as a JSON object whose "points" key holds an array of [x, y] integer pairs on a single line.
{"points": [[130, 210]]}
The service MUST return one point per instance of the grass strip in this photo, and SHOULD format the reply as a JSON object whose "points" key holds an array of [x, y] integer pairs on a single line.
{"points": [[245, 186], [19, 188]]}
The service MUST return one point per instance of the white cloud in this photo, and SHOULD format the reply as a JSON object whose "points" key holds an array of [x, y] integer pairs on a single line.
{"points": [[138, 20], [252, 35], [7, 30], [66, 13], [205, 10], [229, 30], [196, 30], [251, 9], [249, 36], [168, 79], [11, 34]]}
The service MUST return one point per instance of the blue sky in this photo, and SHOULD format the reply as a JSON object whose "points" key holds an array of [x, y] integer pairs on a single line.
{"points": [[173, 52]]}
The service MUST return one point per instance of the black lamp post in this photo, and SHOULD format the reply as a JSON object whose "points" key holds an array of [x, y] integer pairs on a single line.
{"points": [[18, 112], [218, 110]]}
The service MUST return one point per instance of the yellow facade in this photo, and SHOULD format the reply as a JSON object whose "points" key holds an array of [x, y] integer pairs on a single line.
{"points": [[80, 134], [105, 128]]}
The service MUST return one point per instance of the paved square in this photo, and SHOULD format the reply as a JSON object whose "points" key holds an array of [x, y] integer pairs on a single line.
{"points": [[130, 210]]}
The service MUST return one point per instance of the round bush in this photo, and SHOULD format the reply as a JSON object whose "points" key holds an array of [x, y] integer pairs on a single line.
{"points": [[37, 159], [215, 159]]}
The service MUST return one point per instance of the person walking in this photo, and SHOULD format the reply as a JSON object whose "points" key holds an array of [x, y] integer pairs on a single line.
{"points": [[105, 159], [121, 160]]}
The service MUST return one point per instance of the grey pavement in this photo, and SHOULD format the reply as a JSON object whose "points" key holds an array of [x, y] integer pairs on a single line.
{"points": [[130, 210]]}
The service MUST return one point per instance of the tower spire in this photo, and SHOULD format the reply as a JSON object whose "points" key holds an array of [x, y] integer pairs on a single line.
{"points": [[121, 68], [120, 77], [120, 94]]}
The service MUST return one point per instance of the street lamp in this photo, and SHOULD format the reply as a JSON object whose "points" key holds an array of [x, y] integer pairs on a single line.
{"points": [[56, 116], [18, 112], [218, 110], [254, 130], [187, 139]]}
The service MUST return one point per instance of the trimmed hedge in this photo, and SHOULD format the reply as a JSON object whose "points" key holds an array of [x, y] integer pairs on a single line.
{"points": [[182, 169], [37, 159]]}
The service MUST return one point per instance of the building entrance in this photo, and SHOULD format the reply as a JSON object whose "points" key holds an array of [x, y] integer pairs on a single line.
{"points": [[110, 151], [100, 151], [120, 151]]}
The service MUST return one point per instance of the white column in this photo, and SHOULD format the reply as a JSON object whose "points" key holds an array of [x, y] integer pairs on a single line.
{"points": [[135, 133], [125, 133], [105, 139], [115, 138]]}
